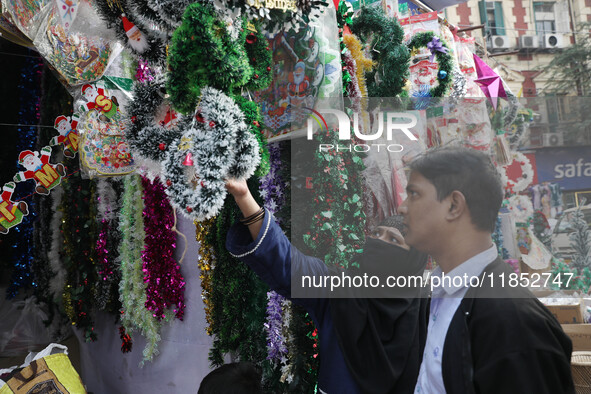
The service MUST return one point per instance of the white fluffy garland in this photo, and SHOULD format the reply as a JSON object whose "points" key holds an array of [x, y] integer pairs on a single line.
{"points": [[527, 173], [221, 147]]}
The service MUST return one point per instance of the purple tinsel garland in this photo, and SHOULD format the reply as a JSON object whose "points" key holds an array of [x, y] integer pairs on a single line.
{"points": [[144, 72], [272, 187], [165, 284], [276, 348], [272, 191], [102, 253]]}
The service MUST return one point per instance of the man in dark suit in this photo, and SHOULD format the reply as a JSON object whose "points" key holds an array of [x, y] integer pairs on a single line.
{"points": [[483, 335]]}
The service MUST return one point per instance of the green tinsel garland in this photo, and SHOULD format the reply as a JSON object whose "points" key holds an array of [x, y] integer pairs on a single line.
{"points": [[384, 37], [132, 288], [202, 52], [444, 60], [344, 17], [261, 57], [238, 301], [254, 121], [337, 229], [79, 234]]}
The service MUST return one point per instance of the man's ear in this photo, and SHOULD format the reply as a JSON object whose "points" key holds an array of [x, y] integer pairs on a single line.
{"points": [[457, 205]]}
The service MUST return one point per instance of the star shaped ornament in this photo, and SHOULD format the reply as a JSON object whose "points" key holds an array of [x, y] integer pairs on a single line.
{"points": [[489, 81]]}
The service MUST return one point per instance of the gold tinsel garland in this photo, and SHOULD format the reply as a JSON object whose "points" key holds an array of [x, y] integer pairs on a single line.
{"points": [[206, 263], [363, 63]]}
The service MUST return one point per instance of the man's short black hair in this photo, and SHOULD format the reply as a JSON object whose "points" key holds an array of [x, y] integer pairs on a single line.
{"points": [[233, 378], [469, 171]]}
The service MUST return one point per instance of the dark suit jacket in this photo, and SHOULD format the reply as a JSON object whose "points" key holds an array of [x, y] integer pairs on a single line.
{"points": [[503, 340]]}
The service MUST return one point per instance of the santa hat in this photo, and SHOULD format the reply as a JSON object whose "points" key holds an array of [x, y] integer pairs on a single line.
{"points": [[24, 154], [59, 120], [129, 27], [86, 87]]}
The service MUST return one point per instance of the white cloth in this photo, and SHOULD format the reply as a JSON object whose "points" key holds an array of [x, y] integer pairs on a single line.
{"points": [[444, 303]]}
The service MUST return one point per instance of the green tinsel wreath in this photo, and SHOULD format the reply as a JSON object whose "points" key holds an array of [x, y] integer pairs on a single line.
{"points": [[444, 60], [203, 52], [384, 36]]}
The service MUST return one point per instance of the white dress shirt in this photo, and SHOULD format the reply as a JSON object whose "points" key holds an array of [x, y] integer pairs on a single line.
{"points": [[445, 301]]}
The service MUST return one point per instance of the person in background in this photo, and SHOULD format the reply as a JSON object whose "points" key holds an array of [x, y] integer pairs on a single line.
{"points": [[367, 345], [234, 378], [488, 338]]}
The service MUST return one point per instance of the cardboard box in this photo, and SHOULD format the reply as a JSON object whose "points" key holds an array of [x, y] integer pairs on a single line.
{"points": [[580, 334], [567, 314]]}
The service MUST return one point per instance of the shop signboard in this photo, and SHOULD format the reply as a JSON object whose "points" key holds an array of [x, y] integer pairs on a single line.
{"points": [[570, 167]]}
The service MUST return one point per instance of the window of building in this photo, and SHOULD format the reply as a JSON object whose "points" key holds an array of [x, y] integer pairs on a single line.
{"points": [[491, 15], [545, 19]]}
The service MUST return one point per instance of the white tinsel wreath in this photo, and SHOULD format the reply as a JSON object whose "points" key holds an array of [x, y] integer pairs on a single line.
{"points": [[527, 173], [219, 146]]}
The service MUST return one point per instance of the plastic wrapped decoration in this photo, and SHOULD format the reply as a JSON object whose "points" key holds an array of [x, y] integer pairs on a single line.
{"points": [[306, 66], [277, 16], [76, 56], [103, 149], [26, 15]]}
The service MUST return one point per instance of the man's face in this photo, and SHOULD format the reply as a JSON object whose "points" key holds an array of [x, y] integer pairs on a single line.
{"points": [[424, 215]]}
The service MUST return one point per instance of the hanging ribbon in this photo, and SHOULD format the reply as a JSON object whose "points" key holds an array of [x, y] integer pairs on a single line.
{"points": [[435, 46]]}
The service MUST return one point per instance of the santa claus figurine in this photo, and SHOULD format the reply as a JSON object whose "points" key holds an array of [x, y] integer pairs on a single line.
{"points": [[68, 137], [135, 38], [11, 214], [98, 100], [46, 175]]}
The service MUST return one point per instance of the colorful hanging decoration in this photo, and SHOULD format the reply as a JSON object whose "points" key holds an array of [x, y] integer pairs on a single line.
{"points": [[206, 265], [29, 95], [336, 232], [79, 239], [439, 51], [238, 299], [363, 65], [11, 213], [107, 243], [68, 134], [524, 180], [104, 151], [489, 81], [276, 347], [46, 175], [77, 57], [67, 10], [165, 285]]}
